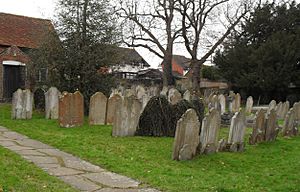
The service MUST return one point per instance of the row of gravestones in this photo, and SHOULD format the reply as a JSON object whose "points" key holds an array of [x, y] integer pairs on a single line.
{"points": [[191, 140]]}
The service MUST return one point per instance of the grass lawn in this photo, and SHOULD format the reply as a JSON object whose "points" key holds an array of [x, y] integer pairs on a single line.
{"points": [[19, 175], [265, 167]]}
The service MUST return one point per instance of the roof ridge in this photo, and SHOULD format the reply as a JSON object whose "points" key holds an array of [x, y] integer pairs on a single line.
{"points": [[25, 16]]}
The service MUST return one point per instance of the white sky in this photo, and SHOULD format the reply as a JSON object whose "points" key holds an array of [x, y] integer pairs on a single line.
{"points": [[45, 9]]}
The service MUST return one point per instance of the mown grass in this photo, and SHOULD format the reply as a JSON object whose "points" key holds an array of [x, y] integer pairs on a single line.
{"points": [[16, 174], [265, 167]]}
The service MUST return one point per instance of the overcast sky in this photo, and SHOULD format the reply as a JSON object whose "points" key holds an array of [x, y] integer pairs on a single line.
{"points": [[45, 9]]}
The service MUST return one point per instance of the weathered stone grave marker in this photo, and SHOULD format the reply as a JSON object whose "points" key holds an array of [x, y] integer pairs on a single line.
{"points": [[126, 117], [249, 104], [258, 132], [97, 111], [71, 109], [210, 131], [22, 104], [114, 101], [290, 124], [187, 136], [174, 96], [271, 125], [52, 103]]}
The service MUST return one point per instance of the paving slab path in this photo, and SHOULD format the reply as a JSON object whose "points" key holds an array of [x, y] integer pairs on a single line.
{"points": [[78, 173]]}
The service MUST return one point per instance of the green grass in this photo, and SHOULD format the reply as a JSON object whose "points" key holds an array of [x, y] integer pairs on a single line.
{"points": [[265, 167], [19, 175]]}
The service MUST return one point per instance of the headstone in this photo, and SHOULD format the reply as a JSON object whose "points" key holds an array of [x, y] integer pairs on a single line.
{"points": [[140, 92], [278, 110], [290, 125], [272, 105], [222, 101], [52, 103], [237, 132], [22, 104], [236, 103], [249, 104], [126, 117], [210, 131], [71, 109], [231, 101], [97, 110], [39, 99], [187, 95], [114, 101], [153, 91], [174, 96], [296, 108], [285, 109], [258, 132], [187, 136], [271, 125]]}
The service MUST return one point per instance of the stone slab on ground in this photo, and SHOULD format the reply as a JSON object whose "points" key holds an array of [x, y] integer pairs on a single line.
{"points": [[74, 171]]}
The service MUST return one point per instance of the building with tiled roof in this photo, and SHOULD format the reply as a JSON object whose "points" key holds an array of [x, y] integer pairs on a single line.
{"points": [[180, 65], [18, 35]]}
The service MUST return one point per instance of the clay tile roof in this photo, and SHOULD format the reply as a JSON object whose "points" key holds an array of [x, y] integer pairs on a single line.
{"points": [[182, 61], [131, 56], [23, 31]]}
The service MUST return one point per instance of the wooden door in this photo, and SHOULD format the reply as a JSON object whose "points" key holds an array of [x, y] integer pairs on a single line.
{"points": [[12, 79]]}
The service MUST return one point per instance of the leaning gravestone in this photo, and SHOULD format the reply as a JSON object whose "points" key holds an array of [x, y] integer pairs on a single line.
{"points": [[22, 104], [222, 101], [290, 124], [187, 136], [71, 109], [52, 103], [174, 96], [210, 132], [126, 117], [231, 101], [237, 132], [271, 125], [285, 109], [258, 132], [39, 99], [114, 101], [249, 104], [97, 111]]}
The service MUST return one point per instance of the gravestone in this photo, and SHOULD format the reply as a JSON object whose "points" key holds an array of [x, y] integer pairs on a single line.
{"points": [[231, 101], [71, 109], [126, 117], [285, 109], [164, 91], [210, 131], [153, 91], [186, 138], [97, 110], [296, 108], [52, 103], [271, 125], [290, 124], [236, 104], [249, 104], [140, 92], [129, 93], [22, 104], [222, 101], [272, 105], [174, 96], [187, 95], [237, 132], [39, 99], [114, 101], [258, 131], [278, 110]]}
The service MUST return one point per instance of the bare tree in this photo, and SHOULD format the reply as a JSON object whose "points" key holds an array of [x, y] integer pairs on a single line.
{"points": [[198, 16], [151, 24]]}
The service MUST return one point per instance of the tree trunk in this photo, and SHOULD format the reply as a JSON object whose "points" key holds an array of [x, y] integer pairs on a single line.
{"points": [[168, 79], [196, 75]]}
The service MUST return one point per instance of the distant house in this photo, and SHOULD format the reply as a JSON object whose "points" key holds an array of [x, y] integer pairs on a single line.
{"points": [[180, 65], [130, 63], [18, 35]]}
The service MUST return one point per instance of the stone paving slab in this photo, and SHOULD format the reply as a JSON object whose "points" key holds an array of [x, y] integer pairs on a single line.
{"points": [[80, 183], [78, 173], [112, 180]]}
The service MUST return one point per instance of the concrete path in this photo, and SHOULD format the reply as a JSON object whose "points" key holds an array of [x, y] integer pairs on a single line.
{"points": [[78, 173]]}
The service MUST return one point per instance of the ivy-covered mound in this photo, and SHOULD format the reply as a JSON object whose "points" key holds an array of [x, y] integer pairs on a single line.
{"points": [[159, 117]]}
